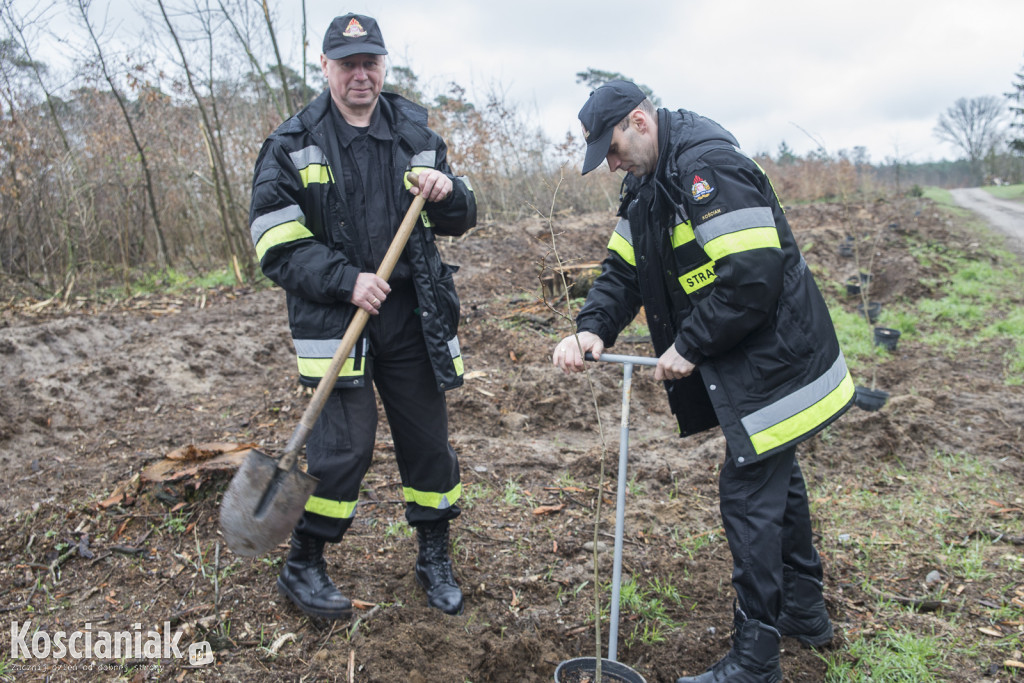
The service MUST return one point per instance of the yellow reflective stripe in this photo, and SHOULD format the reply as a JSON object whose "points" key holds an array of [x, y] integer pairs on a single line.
{"points": [[620, 246], [286, 232], [742, 240], [338, 509], [697, 278], [315, 173], [417, 170], [317, 367], [770, 183], [429, 499], [806, 420], [682, 233], [455, 350]]}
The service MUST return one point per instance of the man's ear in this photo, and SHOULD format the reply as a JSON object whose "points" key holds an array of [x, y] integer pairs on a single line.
{"points": [[639, 120]]}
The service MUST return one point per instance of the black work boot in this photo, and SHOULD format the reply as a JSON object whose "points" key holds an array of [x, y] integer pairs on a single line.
{"points": [[304, 580], [754, 657], [434, 568], [803, 614]]}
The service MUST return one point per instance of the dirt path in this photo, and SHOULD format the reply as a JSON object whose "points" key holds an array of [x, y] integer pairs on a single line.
{"points": [[1005, 216]]}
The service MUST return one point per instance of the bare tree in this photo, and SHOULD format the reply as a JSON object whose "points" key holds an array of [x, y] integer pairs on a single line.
{"points": [[162, 252], [244, 40], [77, 190], [974, 126], [212, 138]]}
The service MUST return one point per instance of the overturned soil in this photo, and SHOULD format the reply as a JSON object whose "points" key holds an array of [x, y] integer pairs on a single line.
{"points": [[95, 393]]}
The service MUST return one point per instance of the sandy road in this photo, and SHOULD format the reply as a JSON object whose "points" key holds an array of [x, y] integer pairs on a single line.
{"points": [[1005, 216]]}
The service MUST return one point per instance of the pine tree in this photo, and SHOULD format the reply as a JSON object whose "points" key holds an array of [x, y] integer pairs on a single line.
{"points": [[1016, 97]]}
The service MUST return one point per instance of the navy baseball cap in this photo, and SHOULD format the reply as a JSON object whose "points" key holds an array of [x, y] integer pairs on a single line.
{"points": [[353, 34], [607, 105]]}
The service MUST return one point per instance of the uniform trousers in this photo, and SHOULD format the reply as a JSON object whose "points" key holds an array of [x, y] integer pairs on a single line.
{"points": [[767, 520], [339, 450]]}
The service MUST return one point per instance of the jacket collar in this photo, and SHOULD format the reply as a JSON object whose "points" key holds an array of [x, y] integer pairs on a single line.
{"points": [[406, 119]]}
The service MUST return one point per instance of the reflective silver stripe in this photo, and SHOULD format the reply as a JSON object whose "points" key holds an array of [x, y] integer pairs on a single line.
{"points": [[309, 155], [465, 181], [734, 221], [797, 402], [424, 158], [321, 348], [454, 348], [273, 219], [624, 231]]}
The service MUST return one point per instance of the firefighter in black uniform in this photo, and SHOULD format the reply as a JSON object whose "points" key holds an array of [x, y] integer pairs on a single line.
{"points": [[330, 189], [744, 340]]}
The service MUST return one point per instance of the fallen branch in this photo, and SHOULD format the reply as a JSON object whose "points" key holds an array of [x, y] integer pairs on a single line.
{"points": [[916, 604], [998, 537]]}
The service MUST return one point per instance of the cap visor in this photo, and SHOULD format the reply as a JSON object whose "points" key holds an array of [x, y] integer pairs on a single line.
{"points": [[349, 50], [597, 151]]}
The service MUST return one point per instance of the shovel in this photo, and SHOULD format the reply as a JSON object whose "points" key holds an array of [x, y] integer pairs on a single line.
{"points": [[267, 496]]}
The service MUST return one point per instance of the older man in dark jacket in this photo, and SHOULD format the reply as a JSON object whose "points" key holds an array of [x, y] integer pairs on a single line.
{"points": [[329, 192], [744, 339]]}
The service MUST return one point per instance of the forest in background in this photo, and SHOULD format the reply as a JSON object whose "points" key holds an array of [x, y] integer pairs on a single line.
{"points": [[132, 166]]}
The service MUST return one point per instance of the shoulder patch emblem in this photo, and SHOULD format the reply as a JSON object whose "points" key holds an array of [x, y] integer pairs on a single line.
{"points": [[701, 188], [354, 29]]}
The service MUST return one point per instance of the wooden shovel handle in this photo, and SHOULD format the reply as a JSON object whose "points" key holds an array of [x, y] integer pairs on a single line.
{"points": [[355, 328]]}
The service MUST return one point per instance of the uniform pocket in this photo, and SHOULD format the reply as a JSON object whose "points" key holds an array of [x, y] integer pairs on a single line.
{"points": [[448, 302], [780, 351]]}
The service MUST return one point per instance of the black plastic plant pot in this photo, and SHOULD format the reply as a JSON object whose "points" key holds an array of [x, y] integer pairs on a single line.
{"points": [[584, 669], [887, 338], [874, 310], [869, 399], [846, 249], [854, 282]]}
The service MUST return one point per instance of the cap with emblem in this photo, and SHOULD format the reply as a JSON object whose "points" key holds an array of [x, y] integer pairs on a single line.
{"points": [[353, 34], [607, 105]]}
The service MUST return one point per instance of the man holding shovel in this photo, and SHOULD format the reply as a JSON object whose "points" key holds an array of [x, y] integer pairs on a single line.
{"points": [[330, 189], [744, 338]]}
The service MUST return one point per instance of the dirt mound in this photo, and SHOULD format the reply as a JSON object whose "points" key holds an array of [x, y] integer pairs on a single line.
{"points": [[95, 394]]}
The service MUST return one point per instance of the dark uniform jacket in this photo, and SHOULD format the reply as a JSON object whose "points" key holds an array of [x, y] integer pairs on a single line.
{"points": [[703, 244], [307, 239]]}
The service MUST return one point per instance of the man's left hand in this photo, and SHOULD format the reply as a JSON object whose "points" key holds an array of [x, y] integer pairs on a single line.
{"points": [[673, 366], [433, 185]]}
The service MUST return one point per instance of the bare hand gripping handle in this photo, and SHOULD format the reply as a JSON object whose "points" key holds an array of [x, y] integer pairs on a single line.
{"points": [[615, 358]]}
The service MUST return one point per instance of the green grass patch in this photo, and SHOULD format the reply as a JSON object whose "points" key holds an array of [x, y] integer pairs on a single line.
{"points": [[1011, 192], [890, 656], [980, 299], [917, 515], [652, 605]]}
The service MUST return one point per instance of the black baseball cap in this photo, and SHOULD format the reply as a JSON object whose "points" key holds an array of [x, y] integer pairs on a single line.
{"points": [[353, 34], [607, 105]]}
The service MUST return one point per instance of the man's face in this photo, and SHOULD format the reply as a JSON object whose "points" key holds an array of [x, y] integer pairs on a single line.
{"points": [[632, 152], [355, 81]]}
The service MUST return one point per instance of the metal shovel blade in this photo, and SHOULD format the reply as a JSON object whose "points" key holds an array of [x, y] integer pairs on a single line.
{"points": [[262, 504]]}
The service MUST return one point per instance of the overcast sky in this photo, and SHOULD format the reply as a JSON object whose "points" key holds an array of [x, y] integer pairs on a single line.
{"points": [[838, 73], [835, 73]]}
